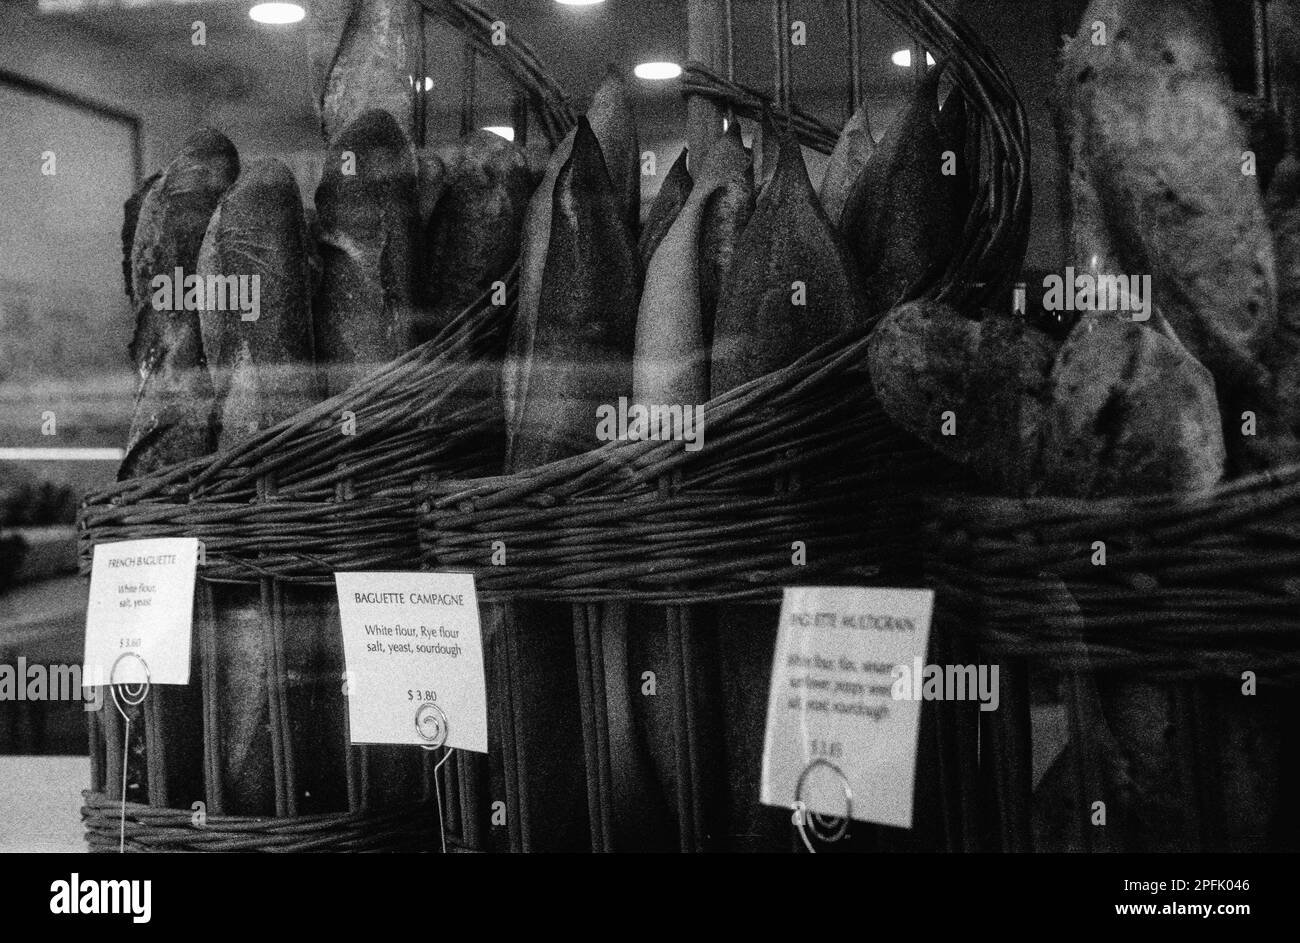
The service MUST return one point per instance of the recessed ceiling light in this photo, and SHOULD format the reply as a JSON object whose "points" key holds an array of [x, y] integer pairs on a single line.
{"points": [[579, 3], [504, 131], [903, 59], [658, 71], [277, 13]]}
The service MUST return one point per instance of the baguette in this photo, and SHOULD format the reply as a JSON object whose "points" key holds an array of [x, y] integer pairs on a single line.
{"points": [[726, 214], [580, 358], [368, 223], [173, 412], [898, 217], [172, 419], [472, 235], [364, 56], [761, 324]]}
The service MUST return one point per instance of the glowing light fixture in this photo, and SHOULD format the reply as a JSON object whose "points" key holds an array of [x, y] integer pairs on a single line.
{"points": [[578, 3], [277, 13], [504, 131], [903, 59], [658, 71]]}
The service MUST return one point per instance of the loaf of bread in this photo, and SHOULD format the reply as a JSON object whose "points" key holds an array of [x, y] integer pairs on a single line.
{"points": [[172, 418], [791, 287], [1155, 125], [261, 360], [976, 391], [613, 124], [365, 54], [367, 207], [726, 214], [852, 150], [673, 192], [581, 354], [898, 217], [472, 236]]}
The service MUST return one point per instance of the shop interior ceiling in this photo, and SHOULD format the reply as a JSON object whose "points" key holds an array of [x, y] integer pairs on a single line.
{"points": [[253, 79]]}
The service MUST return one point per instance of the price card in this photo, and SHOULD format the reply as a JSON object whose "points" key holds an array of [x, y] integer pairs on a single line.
{"points": [[414, 653], [140, 613], [841, 727]]}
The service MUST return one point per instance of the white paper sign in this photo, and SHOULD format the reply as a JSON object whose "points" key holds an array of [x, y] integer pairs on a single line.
{"points": [[832, 705], [414, 655], [141, 612]]}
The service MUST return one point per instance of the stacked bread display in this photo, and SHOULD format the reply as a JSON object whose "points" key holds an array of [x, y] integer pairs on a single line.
{"points": [[1179, 395]]}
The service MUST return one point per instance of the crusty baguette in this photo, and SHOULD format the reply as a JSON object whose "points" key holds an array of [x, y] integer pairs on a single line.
{"points": [[368, 222], [613, 124], [364, 56], [927, 360], [727, 213], [172, 419], [472, 236], [1164, 152], [761, 324], [898, 216]]}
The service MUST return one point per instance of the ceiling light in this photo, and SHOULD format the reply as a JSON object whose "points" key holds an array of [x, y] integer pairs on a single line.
{"points": [[579, 3], [658, 71], [277, 13], [903, 59], [504, 131]]}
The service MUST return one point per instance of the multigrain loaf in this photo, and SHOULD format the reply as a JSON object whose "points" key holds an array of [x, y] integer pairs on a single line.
{"points": [[1131, 414]]}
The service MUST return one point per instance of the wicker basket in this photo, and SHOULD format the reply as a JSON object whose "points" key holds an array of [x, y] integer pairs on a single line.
{"points": [[802, 480], [332, 488], [1145, 614]]}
